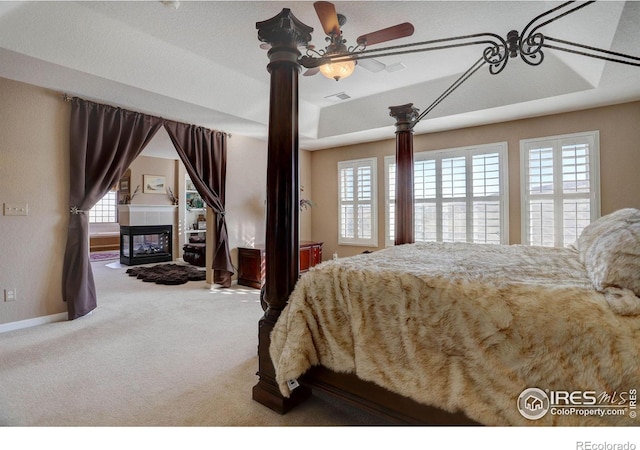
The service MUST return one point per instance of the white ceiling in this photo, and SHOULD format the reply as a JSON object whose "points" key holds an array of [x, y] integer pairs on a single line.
{"points": [[202, 63]]}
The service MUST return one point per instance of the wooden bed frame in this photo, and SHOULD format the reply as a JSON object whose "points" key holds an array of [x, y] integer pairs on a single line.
{"points": [[285, 33]]}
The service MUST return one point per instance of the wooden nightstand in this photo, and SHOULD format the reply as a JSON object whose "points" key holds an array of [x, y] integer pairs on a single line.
{"points": [[251, 262], [251, 266], [310, 254]]}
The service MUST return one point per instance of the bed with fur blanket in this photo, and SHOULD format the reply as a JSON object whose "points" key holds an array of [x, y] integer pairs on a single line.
{"points": [[469, 328]]}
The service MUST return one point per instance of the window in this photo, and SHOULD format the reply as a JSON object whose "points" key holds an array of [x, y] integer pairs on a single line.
{"points": [[357, 214], [106, 210], [460, 195], [560, 187]]}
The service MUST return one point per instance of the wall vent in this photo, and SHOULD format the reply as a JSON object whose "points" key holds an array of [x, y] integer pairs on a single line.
{"points": [[337, 97]]}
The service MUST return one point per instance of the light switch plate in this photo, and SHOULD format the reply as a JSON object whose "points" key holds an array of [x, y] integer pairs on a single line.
{"points": [[16, 209]]}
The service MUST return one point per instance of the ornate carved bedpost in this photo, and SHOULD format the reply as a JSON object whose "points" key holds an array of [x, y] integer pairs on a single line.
{"points": [[405, 116], [285, 34]]}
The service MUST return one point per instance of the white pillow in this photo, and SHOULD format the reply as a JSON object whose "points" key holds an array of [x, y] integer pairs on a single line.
{"points": [[609, 248]]}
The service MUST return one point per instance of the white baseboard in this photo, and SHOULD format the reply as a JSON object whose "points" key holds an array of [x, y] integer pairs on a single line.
{"points": [[12, 326]]}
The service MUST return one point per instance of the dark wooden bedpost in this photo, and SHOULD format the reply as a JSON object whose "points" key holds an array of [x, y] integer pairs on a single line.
{"points": [[284, 33], [405, 115]]}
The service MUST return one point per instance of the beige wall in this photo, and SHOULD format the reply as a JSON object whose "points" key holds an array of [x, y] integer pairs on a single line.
{"points": [[619, 128], [246, 183], [306, 174], [146, 165], [34, 125], [34, 169]]}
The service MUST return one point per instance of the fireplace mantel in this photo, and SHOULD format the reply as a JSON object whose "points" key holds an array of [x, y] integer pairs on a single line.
{"points": [[134, 215]]}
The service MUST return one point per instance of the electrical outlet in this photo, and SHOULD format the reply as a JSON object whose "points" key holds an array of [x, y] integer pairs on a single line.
{"points": [[9, 295]]}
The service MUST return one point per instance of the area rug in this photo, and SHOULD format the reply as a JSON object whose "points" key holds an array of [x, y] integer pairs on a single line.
{"points": [[167, 273], [104, 256]]}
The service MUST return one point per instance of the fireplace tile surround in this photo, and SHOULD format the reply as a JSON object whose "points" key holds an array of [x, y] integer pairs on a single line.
{"points": [[146, 233], [132, 215]]}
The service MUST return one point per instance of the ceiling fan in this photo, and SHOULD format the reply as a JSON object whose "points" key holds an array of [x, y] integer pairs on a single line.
{"points": [[331, 24], [528, 45]]}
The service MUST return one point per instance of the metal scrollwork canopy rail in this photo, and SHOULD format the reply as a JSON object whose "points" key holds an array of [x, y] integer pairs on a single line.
{"points": [[528, 45]]}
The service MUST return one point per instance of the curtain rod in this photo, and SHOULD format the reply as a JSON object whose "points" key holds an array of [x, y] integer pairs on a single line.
{"points": [[68, 98]]}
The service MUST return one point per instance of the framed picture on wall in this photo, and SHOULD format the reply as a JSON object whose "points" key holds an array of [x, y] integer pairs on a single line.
{"points": [[124, 185], [153, 184]]}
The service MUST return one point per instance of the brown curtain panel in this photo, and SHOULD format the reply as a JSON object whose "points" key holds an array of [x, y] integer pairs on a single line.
{"points": [[104, 141], [204, 154]]}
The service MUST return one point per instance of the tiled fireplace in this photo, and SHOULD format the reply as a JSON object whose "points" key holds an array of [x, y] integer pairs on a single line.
{"points": [[146, 233]]}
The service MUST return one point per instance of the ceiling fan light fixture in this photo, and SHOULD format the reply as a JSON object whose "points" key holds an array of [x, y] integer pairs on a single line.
{"points": [[338, 70]]}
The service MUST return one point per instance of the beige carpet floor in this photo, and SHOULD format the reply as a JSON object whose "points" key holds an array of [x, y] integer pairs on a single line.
{"points": [[173, 367], [148, 356]]}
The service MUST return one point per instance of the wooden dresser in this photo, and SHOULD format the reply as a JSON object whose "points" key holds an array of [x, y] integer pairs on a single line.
{"points": [[251, 262]]}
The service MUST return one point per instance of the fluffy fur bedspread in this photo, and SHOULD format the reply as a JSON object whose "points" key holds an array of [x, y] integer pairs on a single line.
{"points": [[463, 327]]}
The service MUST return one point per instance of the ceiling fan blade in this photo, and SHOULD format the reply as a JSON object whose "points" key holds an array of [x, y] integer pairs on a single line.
{"points": [[372, 65], [387, 34], [310, 72], [328, 17]]}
